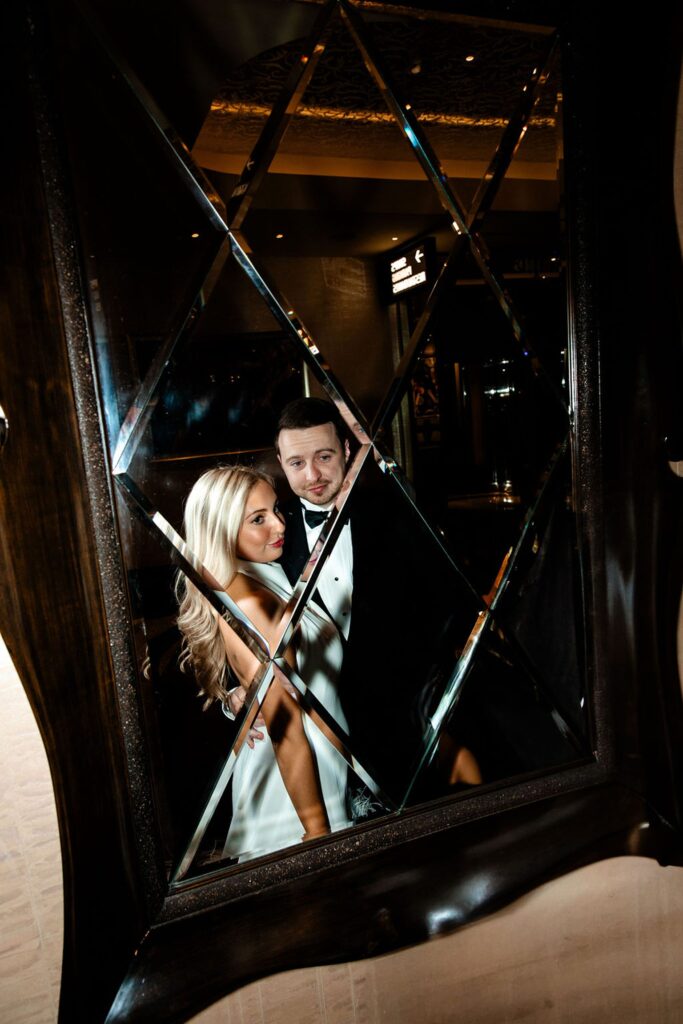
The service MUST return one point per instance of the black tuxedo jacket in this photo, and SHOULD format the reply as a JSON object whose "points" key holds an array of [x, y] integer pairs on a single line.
{"points": [[380, 674]]}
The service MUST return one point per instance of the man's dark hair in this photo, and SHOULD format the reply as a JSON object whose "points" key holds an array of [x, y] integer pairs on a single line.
{"points": [[310, 412]]}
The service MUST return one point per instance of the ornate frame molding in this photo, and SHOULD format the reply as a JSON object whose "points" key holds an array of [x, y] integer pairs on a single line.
{"points": [[400, 881]]}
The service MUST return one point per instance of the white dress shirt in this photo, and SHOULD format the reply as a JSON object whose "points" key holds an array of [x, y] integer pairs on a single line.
{"points": [[335, 583]]}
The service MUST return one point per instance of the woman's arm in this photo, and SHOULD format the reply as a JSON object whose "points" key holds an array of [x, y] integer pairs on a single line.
{"points": [[295, 758], [281, 713]]}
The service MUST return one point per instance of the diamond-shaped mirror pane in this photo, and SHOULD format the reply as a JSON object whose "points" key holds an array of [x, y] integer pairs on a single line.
{"points": [[147, 258], [241, 108], [255, 815], [222, 395], [461, 80], [331, 206], [503, 724], [410, 610]]}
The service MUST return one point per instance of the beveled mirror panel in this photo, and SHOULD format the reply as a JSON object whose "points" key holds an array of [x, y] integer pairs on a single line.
{"points": [[259, 271]]}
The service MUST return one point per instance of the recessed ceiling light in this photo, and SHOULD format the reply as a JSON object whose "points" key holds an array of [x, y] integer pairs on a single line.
{"points": [[469, 58], [394, 238], [280, 235], [195, 234]]}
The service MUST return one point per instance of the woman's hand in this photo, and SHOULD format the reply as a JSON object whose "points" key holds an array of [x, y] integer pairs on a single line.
{"points": [[288, 686], [236, 699]]}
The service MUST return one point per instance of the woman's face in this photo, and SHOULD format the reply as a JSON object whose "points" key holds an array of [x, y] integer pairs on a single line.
{"points": [[262, 531]]}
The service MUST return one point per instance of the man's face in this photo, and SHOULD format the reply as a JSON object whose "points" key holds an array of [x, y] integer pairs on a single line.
{"points": [[314, 462]]}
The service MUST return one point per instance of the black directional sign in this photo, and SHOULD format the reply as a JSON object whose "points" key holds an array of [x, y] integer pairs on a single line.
{"points": [[410, 268]]}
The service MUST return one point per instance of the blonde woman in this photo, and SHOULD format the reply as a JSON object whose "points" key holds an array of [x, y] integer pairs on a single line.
{"points": [[290, 784]]}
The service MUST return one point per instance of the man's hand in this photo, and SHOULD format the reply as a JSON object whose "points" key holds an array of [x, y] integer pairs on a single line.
{"points": [[236, 699]]}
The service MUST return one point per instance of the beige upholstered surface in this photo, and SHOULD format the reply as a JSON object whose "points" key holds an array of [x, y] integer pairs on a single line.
{"points": [[30, 864], [603, 945]]}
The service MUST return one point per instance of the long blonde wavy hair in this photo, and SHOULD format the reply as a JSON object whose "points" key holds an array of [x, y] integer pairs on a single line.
{"points": [[214, 513]]}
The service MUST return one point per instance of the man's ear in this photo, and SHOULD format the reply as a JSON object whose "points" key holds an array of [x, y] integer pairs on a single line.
{"points": [[279, 457]]}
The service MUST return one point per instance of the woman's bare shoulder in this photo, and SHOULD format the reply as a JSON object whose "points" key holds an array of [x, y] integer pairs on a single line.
{"points": [[261, 605]]}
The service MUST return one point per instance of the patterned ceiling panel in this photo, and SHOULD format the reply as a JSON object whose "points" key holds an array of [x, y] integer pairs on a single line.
{"points": [[463, 104]]}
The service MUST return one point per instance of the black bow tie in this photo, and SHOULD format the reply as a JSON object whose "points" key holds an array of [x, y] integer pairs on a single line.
{"points": [[314, 518]]}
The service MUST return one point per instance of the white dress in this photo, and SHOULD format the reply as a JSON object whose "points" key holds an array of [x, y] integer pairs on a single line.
{"points": [[263, 816]]}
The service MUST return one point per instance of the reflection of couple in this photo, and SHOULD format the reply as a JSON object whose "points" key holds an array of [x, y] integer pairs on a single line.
{"points": [[289, 779], [362, 644]]}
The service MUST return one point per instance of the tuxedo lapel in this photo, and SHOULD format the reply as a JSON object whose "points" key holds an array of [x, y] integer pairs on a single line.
{"points": [[295, 551], [362, 564]]}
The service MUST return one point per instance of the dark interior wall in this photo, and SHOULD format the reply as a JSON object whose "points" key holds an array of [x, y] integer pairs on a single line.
{"points": [[337, 299]]}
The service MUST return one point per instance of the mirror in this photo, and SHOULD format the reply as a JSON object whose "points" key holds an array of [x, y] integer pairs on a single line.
{"points": [[371, 216]]}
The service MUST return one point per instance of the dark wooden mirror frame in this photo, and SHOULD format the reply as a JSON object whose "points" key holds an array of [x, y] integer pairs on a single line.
{"points": [[132, 952]]}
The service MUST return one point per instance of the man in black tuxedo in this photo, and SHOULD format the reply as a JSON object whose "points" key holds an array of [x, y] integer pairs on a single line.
{"points": [[365, 587], [403, 615], [314, 455]]}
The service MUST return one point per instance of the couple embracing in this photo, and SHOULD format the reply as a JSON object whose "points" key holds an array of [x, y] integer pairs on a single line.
{"points": [[290, 780]]}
